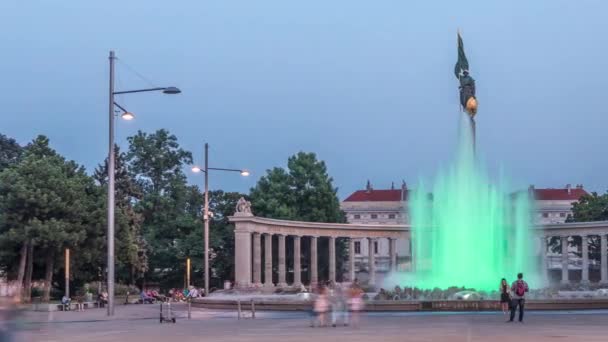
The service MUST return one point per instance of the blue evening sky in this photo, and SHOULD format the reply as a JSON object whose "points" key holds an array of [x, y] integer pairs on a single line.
{"points": [[367, 85]]}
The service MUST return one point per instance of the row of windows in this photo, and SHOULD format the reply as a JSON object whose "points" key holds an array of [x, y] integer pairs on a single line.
{"points": [[562, 215], [373, 216], [358, 247]]}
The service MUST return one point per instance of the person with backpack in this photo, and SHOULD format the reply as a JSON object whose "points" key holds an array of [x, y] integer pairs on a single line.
{"points": [[519, 289]]}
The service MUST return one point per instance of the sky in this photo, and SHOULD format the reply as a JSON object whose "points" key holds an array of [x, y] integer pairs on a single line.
{"points": [[366, 85]]}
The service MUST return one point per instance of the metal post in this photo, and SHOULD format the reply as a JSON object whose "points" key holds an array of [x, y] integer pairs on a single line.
{"points": [[110, 232], [252, 309], [189, 308], [67, 272], [206, 219], [238, 307]]}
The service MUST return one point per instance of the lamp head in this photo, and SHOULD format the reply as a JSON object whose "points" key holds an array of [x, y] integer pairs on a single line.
{"points": [[245, 173], [196, 169], [127, 116], [172, 90]]}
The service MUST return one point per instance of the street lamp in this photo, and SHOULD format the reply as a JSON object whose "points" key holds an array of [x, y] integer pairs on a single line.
{"points": [[111, 170], [206, 213]]}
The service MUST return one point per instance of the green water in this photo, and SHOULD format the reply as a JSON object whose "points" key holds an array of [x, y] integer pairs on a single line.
{"points": [[473, 231]]}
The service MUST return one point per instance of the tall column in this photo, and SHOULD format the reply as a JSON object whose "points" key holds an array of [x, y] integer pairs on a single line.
{"points": [[257, 260], [332, 259], [268, 260], [242, 259], [585, 254], [297, 270], [604, 259], [392, 252], [372, 262], [351, 259], [282, 281], [314, 275], [543, 259], [564, 240]]}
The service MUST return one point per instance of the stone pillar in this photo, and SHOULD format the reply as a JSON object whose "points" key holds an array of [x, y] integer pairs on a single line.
{"points": [[282, 281], [372, 262], [268, 260], [351, 259], [242, 259], [565, 279], [604, 259], [314, 275], [392, 252], [585, 255], [257, 260], [297, 270], [543, 259], [332, 259]]}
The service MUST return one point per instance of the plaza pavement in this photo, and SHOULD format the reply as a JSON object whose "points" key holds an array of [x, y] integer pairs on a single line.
{"points": [[140, 323]]}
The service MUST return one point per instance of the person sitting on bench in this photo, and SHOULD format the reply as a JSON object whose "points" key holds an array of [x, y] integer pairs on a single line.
{"points": [[145, 298], [66, 302]]}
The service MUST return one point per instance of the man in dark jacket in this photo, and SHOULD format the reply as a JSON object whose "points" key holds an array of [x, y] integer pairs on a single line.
{"points": [[518, 292]]}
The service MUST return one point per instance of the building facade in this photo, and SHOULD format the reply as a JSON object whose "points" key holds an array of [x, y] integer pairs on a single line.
{"points": [[390, 206]]}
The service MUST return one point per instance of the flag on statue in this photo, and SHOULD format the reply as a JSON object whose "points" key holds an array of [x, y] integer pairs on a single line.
{"points": [[468, 101]]}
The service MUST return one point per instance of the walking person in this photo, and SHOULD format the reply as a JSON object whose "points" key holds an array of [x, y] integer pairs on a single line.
{"points": [[505, 296], [355, 303], [321, 307], [518, 289]]}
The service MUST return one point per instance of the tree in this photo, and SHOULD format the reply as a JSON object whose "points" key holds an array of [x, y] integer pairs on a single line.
{"points": [[45, 201], [10, 152], [591, 207], [303, 192], [131, 246], [156, 161]]}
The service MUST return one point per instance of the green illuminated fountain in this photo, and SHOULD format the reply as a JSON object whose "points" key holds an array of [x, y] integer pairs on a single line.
{"points": [[467, 230]]}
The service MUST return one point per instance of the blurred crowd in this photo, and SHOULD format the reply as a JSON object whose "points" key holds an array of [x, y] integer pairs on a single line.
{"points": [[337, 304]]}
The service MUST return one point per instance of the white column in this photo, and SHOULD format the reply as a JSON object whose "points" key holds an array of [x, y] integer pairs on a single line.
{"points": [[564, 240], [585, 255], [242, 259], [257, 260], [604, 259], [332, 259], [297, 270], [268, 260], [543, 259], [392, 252], [282, 281], [372, 262], [351, 259], [314, 275]]}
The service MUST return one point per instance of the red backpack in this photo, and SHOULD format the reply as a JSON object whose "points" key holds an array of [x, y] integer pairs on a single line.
{"points": [[520, 288]]}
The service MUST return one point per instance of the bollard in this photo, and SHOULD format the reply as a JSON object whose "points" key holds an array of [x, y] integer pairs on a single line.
{"points": [[161, 312], [189, 309], [252, 309], [238, 307]]}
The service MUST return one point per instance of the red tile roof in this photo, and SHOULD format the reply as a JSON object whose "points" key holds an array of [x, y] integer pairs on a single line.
{"points": [[559, 194], [388, 195], [375, 196]]}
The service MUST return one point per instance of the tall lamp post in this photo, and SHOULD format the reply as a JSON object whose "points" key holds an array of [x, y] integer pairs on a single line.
{"points": [[127, 116], [206, 170]]}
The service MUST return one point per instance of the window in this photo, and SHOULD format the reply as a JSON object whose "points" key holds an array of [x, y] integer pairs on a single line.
{"points": [[375, 247], [562, 214], [374, 216], [391, 216], [357, 247], [357, 217], [545, 215]]}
